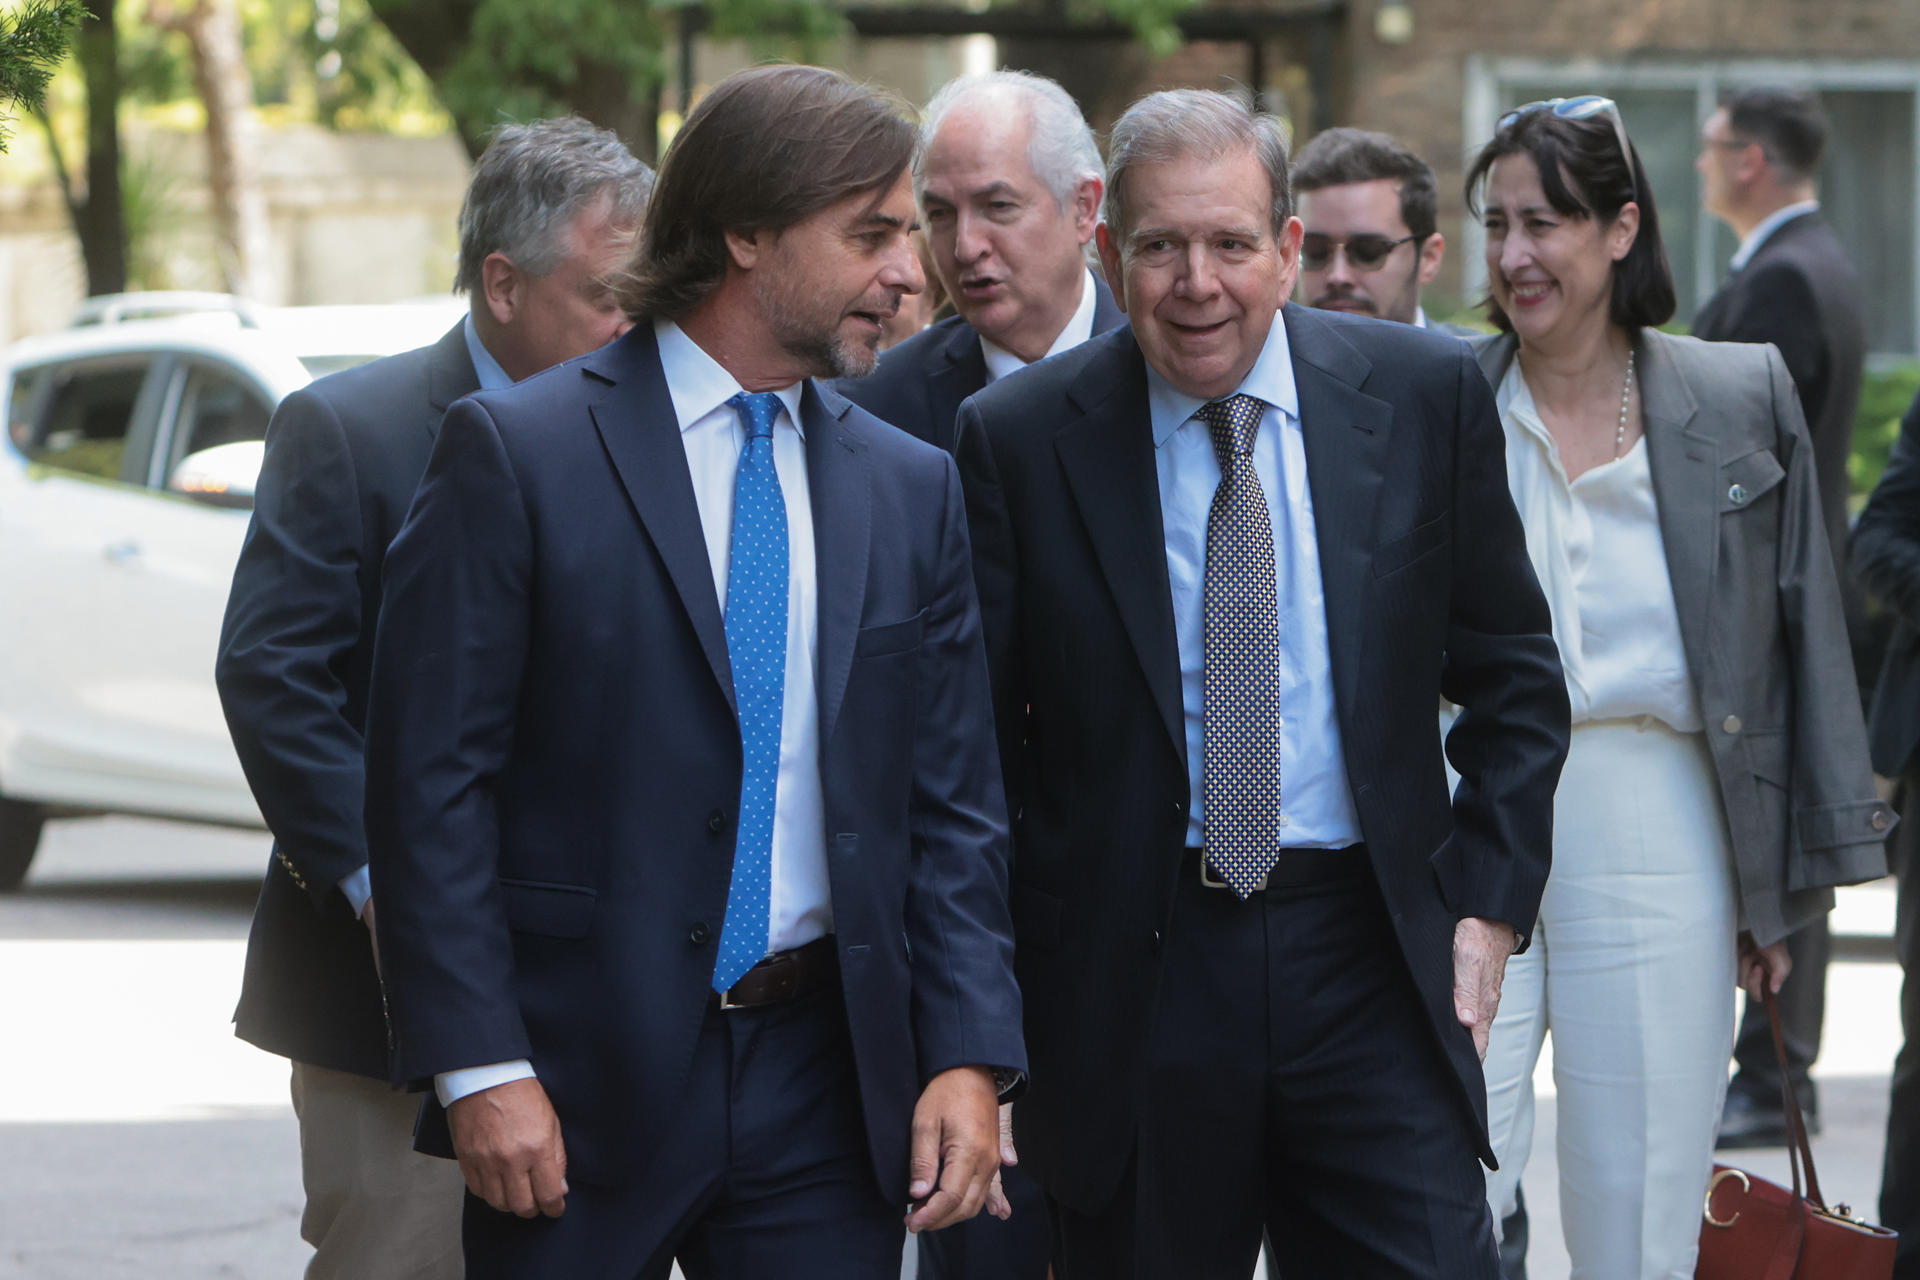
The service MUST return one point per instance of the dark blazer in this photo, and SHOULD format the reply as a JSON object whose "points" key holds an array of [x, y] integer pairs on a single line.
{"points": [[1429, 593], [343, 457], [1760, 620], [1800, 293], [1886, 559], [920, 383], [554, 764]]}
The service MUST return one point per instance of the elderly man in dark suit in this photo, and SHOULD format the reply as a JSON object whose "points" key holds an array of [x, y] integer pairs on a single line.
{"points": [[1886, 558], [1791, 285], [548, 215], [686, 827], [1230, 558], [1009, 187]]}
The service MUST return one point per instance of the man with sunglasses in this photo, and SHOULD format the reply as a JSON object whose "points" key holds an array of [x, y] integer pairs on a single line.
{"points": [[1790, 284], [1371, 242]]}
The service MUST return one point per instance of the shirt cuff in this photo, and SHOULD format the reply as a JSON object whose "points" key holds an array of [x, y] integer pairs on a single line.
{"points": [[451, 1086], [359, 890]]}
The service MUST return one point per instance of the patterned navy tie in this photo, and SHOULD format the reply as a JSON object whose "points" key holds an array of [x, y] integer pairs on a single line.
{"points": [[1241, 779], [756, 626]]}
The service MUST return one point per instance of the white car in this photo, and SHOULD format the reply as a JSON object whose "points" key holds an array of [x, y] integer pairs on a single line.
{"points": [[126, 481]]}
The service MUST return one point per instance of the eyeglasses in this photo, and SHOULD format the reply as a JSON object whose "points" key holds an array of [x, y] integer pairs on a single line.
{"points": [[1364, 252], [1584, 107]]}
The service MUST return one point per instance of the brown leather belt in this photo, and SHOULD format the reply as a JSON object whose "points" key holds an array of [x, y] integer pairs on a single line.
{"points": [[784, 976]]}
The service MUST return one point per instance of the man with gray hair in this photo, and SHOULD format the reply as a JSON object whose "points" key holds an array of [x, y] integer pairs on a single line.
{"points": [[1230, 557], [1008, 182], [548, 219]]}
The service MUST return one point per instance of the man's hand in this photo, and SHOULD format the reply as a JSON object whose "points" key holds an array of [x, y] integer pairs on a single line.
{"points": [[1480, 951], [1769, 965], [997, 1203], [507, 1139], [956, 1148], [366, 917]]}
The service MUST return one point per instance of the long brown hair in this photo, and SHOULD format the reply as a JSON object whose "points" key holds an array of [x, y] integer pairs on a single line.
{"points": [[767, 148]]}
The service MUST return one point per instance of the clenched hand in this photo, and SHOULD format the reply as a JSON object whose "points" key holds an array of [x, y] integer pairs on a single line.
{"points": [[507, 1140]]}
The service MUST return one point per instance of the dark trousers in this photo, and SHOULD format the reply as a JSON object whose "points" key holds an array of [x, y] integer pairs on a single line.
{"points": [[765, 1175], [985, 1248], [1294, 1085], [1900, 1178], [1803, 1010]]}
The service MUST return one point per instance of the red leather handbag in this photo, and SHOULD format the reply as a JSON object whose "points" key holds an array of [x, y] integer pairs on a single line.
{"points": [[1752, 1229]]}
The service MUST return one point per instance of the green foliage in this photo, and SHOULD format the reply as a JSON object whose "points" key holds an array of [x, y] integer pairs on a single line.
{"points": [[1884, 398], [518, 58], [33, 41], [1152, 20]]}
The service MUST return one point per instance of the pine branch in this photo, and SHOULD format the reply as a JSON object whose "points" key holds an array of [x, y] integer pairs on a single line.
{"points": [[33, 41]]}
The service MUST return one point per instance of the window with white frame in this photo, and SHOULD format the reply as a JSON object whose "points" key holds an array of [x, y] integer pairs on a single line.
{"points": [[1869, 184]]}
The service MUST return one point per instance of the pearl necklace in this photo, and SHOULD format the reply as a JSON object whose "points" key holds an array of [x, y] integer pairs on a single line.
{"points": [[1626, 399]]}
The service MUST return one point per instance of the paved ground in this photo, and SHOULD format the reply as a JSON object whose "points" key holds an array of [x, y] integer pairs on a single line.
{"points": [[138, 1138]]}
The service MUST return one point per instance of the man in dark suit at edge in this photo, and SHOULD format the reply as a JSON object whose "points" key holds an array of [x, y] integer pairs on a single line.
{"points": [[549, 213], [1792, 285], [1009, 185], [686, 829], [1259, 943]]}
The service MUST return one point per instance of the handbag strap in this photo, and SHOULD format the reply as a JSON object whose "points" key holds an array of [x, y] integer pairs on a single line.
{"points": [[1799, 1150]]}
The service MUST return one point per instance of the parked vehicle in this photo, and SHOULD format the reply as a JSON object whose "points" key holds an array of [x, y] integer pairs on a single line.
{"points": [[126, 481]]}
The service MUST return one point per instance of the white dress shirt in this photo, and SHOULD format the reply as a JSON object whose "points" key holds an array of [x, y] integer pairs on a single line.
{"points": [[1596, 547], [1765, 228], [1316, 801], [1001, 362], [801, 906], [358, 885]]}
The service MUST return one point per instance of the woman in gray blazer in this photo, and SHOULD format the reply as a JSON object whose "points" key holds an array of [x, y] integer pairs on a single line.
{"points": [[1717, 786]]}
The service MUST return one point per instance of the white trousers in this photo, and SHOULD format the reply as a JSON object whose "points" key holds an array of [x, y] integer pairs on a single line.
{"points": [[1632, 972]]}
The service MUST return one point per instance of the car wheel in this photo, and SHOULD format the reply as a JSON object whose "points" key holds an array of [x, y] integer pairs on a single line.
{"points": [[19, 838]]}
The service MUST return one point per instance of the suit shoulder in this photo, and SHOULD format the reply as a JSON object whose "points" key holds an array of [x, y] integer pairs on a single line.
{"points": [[889, 446], [374, 388], [1390, 338], [1021, 395]]}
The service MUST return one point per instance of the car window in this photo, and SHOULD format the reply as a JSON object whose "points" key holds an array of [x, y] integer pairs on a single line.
{"points": [[217, 407], [83, 427]]}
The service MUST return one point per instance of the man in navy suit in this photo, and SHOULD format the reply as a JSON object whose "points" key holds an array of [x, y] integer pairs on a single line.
{"points": [[1009, 186], [550, 212], [683, 802], [1230, 558]]}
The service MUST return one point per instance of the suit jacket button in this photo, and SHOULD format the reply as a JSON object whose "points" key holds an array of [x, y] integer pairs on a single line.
{"points": [[1731, 724], [1879, 821], [698, 934], [716, 822], [1737, 495]]}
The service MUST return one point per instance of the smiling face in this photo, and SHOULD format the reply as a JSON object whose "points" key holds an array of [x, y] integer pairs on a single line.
{"points": [[826, 286], [1199, 270], [1010, 254], [1551, 273]]}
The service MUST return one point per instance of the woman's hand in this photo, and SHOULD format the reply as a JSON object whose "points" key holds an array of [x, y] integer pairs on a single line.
{"points": [[1769, 965]]}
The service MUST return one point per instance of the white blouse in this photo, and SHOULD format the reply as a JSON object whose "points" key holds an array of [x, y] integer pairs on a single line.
{"points": [[1596, 547]]}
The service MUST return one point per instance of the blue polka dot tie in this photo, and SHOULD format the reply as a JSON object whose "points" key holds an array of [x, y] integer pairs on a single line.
{"points": [[756, 626], [1241, 779]]}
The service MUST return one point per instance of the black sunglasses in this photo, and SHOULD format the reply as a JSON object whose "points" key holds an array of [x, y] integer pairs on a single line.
{"points": [[1584, 107], [1364, 252]]}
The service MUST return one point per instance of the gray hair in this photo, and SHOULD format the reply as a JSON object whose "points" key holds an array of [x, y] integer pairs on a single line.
{"points": [[1178, 124], [1060, 146], [531, 182]]}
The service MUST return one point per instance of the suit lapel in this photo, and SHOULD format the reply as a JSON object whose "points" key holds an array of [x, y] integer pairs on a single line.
{"points": [[838, 479], [1109, 464], [1686, 476], [961, 372], [1346, 434], [450, 374], [634, 416]]}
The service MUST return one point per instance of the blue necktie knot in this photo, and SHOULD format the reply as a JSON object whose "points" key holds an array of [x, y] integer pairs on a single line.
{"points": [[757, 410]]}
